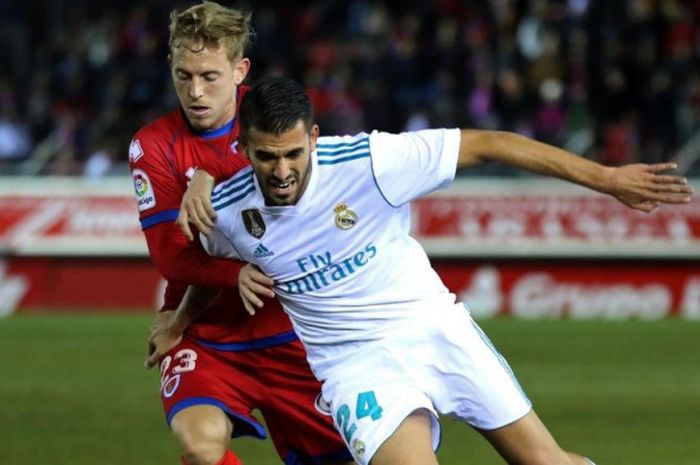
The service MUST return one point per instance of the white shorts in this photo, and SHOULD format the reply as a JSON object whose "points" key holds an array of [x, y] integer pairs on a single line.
{"points": [[444, 364]]}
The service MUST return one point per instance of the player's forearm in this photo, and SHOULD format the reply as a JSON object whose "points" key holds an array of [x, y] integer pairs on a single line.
{"points": [[207, 271], [193, 304], [220, 169], [181, 261], [531, 155]]}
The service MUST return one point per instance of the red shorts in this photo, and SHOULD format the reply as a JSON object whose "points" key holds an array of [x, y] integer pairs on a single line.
{"points": [[276, 380]]}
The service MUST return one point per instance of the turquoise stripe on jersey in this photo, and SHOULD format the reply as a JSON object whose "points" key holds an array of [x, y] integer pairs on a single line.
{"points": [[342, 153], [330, 154], [356, 141], [333, 161], [225, 202], [322, 152], [233, 188], [236, 178], [335, 148]]}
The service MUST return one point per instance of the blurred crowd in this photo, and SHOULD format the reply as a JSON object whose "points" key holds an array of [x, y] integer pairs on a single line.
{"points": [[617, 81]]}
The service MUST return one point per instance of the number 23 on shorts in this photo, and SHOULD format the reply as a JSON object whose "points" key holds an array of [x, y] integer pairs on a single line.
{"points": [[366, 406]]}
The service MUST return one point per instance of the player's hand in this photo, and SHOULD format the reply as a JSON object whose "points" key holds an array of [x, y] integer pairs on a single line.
{"points": [[253, 283], [196, 206], [644, 187], [166, 333]]}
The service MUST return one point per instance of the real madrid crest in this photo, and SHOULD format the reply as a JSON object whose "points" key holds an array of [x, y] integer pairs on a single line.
{"points": [[344, 217], [253, 221]]}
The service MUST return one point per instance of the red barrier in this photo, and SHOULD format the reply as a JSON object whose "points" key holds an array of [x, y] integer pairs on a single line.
{"points": [[78, 284], [583, 289], [526, 289]]}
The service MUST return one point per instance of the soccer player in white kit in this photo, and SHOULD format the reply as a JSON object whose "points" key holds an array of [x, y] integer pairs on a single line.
{"points": [[326, 218]]}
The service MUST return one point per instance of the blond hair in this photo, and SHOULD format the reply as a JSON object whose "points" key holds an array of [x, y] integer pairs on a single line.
{"points": [[210, 25]]}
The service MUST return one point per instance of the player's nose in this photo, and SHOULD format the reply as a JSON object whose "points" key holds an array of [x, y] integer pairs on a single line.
{"points": [[282, 170], [196, 88]]}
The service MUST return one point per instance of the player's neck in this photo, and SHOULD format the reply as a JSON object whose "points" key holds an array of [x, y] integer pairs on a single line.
{"points": [[221, 127], [216, 132]]}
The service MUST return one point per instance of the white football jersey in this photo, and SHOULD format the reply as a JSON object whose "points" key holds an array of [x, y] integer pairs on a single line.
{"points": [[345, 267]]}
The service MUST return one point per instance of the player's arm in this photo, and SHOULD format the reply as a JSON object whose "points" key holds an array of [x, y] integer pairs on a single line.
{"points": [[640, 186], [183, 262], [179, 260], [169, 326], [159, 189], [252, 282]]}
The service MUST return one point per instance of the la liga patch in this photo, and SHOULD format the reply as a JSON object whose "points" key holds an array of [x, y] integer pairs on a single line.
{"points": [[144, 190]]}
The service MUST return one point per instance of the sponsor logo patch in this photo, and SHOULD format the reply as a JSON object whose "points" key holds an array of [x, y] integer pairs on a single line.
{"points": [[344, 217], [253, 221], [262, 252], [144, 190], [135, 151], [359, 448]]}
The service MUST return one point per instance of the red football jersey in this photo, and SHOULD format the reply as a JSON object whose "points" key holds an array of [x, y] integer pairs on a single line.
{"points": [[163, 156]]}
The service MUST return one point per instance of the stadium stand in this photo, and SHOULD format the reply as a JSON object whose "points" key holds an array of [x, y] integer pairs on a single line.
{"points": [[616, 81]]}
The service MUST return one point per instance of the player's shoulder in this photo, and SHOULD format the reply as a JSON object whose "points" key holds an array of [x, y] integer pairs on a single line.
{"points": [[335, 142], [429, 140], [333, 150], [155, 134], [163, 126], [235, 191]]}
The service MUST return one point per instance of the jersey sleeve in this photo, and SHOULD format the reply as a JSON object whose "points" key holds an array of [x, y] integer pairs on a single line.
{"points": [[410, 165], [222, 169], [179, 260], [159, 189], [156, 185]]}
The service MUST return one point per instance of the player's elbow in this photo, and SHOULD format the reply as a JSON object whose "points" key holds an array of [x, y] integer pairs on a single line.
{"points": [[167, 266], [172, 275], [481, 146]]}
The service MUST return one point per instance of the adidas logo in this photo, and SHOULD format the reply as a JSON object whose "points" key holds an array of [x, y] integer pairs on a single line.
{"points": [[261, 252]]}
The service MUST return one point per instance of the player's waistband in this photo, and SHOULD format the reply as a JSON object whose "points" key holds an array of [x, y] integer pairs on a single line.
{"points": [[252, 344]]}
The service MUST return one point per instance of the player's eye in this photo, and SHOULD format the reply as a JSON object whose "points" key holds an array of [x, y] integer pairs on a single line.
{"points": [[183, 76], [210, 77], [264, 156]]}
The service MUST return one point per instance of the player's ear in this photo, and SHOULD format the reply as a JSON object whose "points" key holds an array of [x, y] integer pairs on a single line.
{"points": [[313, 136], [244, 149], [170, 61], [240, 70]]}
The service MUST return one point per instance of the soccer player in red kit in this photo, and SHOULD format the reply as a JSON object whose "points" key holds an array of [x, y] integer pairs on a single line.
{"points": [[228, 362]]}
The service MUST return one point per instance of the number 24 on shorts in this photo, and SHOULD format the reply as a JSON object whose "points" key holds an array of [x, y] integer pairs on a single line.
{"points": [[367, 406]]}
